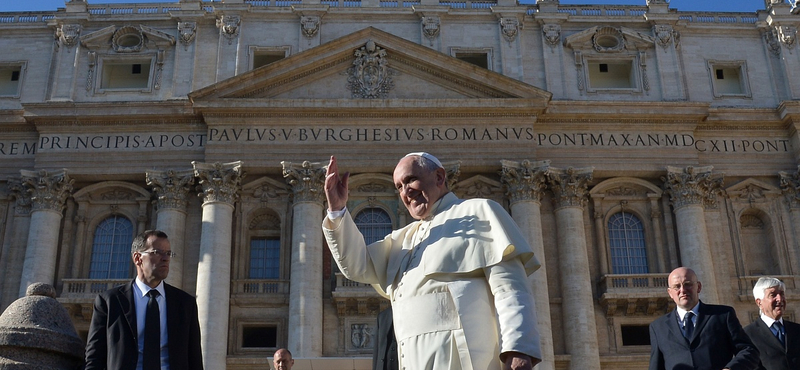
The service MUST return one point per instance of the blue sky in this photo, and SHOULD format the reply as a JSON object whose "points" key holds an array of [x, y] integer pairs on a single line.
{"points": [[684, 5]]}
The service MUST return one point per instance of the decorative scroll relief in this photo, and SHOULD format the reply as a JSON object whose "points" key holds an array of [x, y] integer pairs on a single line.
{"points": [[692, 185], [664, 35], [21, 195], [552, 34], [48, 190], [67, 34], [570, 186], [229, 26], [219, 182], [430, 28], [524, 180], [509, 28], [790, 185], [787, 35], [370, 76], [92, 62], [306, 179], [309, 25], [171, 187], [186, 33]]}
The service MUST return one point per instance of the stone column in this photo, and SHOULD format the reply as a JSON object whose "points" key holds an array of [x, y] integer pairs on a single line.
{"points": [[220, 183], [172, 189], [690, 189], [570, 190], [48, 193], [790, 183], [305, 289], [525, 184]]}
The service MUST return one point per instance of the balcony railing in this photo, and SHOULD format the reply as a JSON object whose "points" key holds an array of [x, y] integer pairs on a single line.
{"points": [[344, 284], [468, 4], [603, 11], [117, 9], [260, 286], [634, 284], [746, 284], [81, 289], [26, 17], [745, 18]]}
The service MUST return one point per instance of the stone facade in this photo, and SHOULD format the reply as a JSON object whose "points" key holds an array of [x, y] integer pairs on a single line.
{"points": [[214, 120]]}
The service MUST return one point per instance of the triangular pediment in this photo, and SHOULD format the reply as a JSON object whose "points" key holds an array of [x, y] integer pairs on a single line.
{"points": [[350, 69], [752, 189]]}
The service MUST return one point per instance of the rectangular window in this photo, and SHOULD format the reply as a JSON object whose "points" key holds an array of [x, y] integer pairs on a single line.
{"points": [[611, 75], [9, 80], [729, 78], [261, 59], [265, 258], [125, 75], [728, 81], [478, 59], [259, 336], [635, 335]]}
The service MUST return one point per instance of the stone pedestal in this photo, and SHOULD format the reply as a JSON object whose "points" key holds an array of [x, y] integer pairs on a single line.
{"points": [[37, 333]]}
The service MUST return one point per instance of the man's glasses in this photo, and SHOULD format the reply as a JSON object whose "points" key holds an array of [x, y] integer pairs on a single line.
{"points": [[160, 253], [685, 286]]}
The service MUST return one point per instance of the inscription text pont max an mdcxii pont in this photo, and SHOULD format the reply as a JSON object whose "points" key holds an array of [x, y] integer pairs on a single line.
{"points": [[495, 135]]}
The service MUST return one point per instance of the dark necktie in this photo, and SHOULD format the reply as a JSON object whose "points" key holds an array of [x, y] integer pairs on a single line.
{"points": [[151, 356], [778, 331], [688, 326]]}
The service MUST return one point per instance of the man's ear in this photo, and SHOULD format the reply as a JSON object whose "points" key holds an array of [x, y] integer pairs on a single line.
{"points": [[441, 177], [137, 258]]}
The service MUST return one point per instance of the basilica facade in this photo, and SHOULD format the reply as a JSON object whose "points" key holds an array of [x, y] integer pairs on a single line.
{"points": [[625, 141]]}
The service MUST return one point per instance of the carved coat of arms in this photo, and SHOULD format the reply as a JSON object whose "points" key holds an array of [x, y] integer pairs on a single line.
{"points": [[370, 76]]}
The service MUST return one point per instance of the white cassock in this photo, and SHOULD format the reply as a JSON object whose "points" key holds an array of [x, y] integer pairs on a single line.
{"points": [[457, 281]]}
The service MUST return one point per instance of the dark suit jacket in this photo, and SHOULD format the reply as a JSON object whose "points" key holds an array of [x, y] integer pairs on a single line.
{"points": [[718, 342], [773, 355], [112, 342], [384, 356]]}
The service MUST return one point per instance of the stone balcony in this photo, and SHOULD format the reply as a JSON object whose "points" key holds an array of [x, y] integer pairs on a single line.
{"points": [[354, 298], [77, 295], [634, 294], [259, 292]]}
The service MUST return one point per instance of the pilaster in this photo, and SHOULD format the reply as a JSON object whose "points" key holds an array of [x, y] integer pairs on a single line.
{"points": [[172, 190], [220, 184], [690, 189], [790, 185], [525, 184], [305, 291]]}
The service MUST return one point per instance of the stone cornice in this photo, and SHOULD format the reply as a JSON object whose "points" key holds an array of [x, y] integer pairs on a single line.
{"points": [[219, 182], [524, 180], [307, 180], [171, 187], [692, 186]]}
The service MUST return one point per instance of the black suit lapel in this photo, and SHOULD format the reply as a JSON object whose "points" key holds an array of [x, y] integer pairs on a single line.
{"points": [[675, 329], [126, 302], [702, 319]]}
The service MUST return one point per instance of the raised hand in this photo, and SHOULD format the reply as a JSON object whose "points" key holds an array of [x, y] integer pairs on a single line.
{"points": [[336, 187]]}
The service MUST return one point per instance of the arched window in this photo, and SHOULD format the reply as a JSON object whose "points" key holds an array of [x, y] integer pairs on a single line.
{"points": [[111, 249], [626, 241], [374, 223]]}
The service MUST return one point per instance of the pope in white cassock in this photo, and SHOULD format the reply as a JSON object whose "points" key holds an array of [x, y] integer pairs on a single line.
{"points": [[456, 277]]}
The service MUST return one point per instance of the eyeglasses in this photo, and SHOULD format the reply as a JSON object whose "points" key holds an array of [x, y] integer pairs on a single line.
{"points": [[160, 253], [685, 286]]}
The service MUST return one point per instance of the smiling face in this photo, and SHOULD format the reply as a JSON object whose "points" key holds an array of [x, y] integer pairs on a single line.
{"points": [[419, 187], [152, 268], [684, 288], [774, 302]]}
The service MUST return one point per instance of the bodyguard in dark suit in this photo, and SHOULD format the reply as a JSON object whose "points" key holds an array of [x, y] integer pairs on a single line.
{"points": [[384, 356], [133, 328], [696, 335], [777, 340]]}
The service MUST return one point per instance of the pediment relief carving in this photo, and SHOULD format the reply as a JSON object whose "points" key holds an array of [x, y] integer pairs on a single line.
{"points": [[111, 191], [265, 221], [752, 190], [265, 189], [626, 187], [607, 39], [478, 187], [372, 183], [127, 39]]}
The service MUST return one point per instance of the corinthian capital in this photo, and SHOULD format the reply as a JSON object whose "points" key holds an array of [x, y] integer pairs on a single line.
{"points": [[692, 185], [524, 180], [790, 184], [219, 181], [17, 190], [48, 191], [570, 186], [307, 180], [171, 187]]}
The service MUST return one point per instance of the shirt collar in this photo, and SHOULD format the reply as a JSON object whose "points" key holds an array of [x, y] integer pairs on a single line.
{"points": [[769, 321], [144, 288], [682, 312]]}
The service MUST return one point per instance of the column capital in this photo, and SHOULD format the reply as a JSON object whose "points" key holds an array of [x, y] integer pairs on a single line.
{"points": [[48, 190], [22, 198], [307, 180], [219, 181], [171, 187], [570, 185], [524, 180], [692, 185], [790, 185]]}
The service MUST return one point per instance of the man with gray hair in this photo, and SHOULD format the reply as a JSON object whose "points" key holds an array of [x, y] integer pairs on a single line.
{"points": [[777, 340]]}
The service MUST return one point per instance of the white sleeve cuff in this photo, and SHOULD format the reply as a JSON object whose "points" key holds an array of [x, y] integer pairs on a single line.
{"points": [[333, 215]]}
